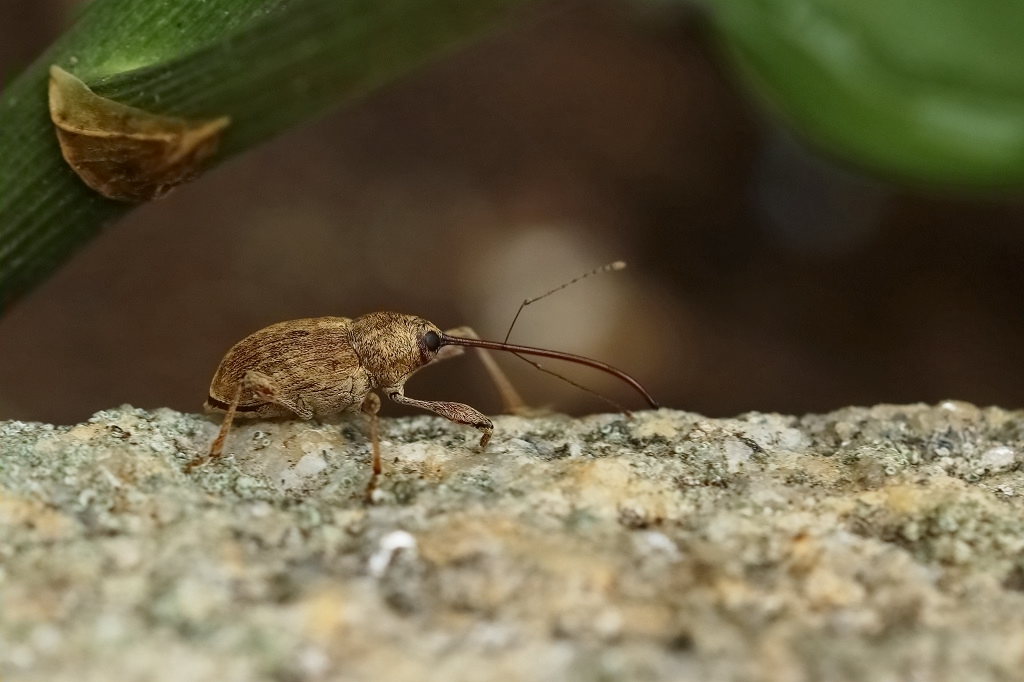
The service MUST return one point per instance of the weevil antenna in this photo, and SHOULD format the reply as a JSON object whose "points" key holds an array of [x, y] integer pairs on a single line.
{"points": [[447, 340], [586, 389], [607, 267]]}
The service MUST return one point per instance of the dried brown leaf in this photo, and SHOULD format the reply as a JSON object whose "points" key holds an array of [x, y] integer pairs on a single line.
{"points": [[122, 152]]}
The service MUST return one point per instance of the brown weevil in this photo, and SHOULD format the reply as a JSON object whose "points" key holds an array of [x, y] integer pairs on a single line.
{"points": [[322, 366]]}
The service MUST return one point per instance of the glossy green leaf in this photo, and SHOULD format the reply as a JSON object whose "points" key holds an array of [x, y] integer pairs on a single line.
{"points": [[926, 92]]}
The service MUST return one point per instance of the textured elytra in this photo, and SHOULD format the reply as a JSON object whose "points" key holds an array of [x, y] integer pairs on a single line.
{"points": [[311, 361], [123, 152]]}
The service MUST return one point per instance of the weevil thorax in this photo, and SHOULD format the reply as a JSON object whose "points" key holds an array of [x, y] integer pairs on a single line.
{"points": [[392, 346]]}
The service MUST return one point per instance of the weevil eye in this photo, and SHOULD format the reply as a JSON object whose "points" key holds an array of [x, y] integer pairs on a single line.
{"points": [[432, 341]]}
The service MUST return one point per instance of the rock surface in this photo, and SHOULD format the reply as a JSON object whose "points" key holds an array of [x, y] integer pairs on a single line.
{"points": [[879, 544]]}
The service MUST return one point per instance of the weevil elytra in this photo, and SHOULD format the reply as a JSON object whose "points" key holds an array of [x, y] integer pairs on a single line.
{"points": [[325, 365]]}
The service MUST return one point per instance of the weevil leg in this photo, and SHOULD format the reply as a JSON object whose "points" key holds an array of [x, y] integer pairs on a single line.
{"points": [[511, 400], [371, 408], [263, 388], [456, 412], [217, 447]]}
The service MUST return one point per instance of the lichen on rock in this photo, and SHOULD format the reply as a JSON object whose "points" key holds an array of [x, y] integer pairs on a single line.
{"points": [[875, 544]]}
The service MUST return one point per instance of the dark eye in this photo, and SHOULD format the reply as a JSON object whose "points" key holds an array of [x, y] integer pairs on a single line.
{"points": [[432, 341]]}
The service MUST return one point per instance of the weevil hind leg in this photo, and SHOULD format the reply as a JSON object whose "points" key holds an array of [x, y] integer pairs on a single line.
{"points": [[217, 447], [371, 408], [511, 401], [263, 388], [455, 412]]}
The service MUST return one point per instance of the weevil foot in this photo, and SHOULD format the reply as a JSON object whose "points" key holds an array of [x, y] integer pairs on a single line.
{"points": [[196, 463], [369, 497]]}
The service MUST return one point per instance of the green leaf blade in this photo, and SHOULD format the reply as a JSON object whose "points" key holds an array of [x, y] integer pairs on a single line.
{"points": [[927, 93], [267, 65]]}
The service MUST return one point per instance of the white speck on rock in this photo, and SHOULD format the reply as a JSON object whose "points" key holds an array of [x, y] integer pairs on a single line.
{"points": [[657, 543], [260, 509], [1000, 458], [46, 638], [314, 661], [389, 545], [310, 465], [737, 454], [608, 624], [791, 439]]}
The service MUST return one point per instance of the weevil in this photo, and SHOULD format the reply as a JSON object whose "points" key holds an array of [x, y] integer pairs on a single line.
{"points": [[322, 366]]}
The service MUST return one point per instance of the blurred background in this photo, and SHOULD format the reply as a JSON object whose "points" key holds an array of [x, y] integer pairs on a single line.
{"points": [[763, 273]]}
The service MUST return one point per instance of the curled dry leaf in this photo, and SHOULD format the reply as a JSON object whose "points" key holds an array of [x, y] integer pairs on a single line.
{"points": [[122, 152]]}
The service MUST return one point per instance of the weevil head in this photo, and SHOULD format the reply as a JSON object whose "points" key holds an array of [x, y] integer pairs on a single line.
{"points": [[392, 346]]}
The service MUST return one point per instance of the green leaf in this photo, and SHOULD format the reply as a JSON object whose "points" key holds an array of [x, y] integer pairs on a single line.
{"points": [[925, 92], [266, 64]]}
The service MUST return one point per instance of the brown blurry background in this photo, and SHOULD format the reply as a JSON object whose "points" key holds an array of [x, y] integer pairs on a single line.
{"points": [[762, 277]]}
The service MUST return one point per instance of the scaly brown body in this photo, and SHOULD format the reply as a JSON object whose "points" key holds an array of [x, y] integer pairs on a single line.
{"points": [[313, 357], [317, 367]]}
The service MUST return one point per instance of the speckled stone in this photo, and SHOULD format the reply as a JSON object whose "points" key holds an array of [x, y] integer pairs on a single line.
{"points": [[877, 544]]}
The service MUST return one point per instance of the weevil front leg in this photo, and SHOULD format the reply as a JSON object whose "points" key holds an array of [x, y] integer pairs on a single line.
{"points": [[456, 412], [371, 408]]}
